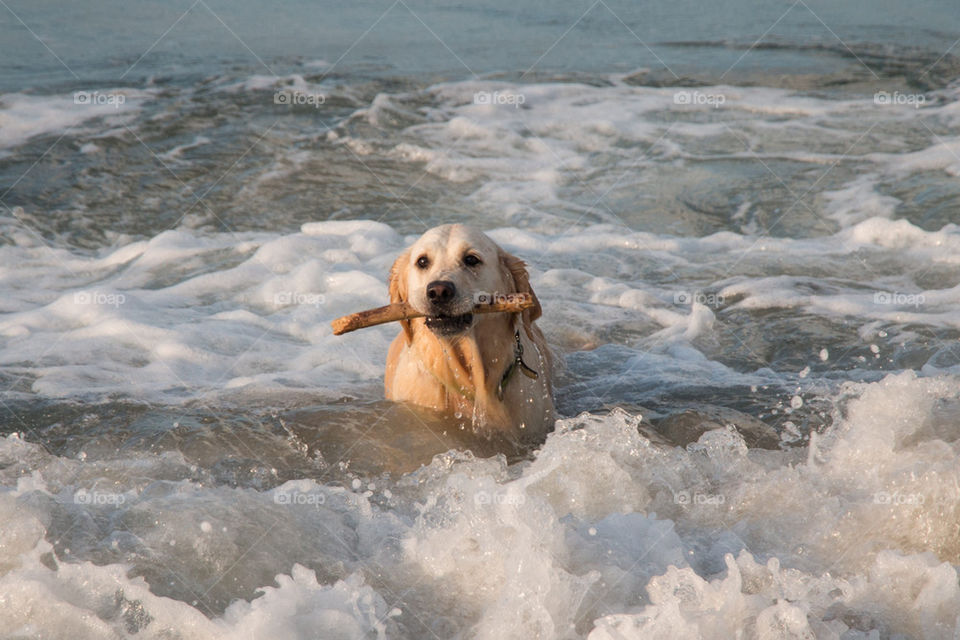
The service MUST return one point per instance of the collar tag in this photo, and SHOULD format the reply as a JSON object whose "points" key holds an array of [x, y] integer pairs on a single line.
{"points": [[517, 363]]}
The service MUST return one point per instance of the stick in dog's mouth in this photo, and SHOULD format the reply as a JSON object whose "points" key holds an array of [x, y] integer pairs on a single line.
{"points": [[510, 303]]}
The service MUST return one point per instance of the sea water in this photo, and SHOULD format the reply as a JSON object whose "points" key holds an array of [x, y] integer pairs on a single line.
{"points": [[734, 228]]}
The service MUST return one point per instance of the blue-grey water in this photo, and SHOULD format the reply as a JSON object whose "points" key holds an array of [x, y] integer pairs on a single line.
{"points": [[740, 217]]}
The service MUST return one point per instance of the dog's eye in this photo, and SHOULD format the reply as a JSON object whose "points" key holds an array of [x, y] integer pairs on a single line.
{"points": [[471, 260], [423, 262]]}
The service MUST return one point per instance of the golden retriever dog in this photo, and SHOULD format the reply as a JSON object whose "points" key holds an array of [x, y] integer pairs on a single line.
{"points": [[493, 369]]}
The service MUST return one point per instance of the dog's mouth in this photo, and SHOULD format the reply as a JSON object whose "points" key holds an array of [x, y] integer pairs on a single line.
{"points": [[449, 325]]}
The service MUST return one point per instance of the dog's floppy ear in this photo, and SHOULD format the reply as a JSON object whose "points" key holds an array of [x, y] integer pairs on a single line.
{"points": [[515, 271], [398, 289]]}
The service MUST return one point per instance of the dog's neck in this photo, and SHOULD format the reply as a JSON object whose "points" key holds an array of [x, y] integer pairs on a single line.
{"points": [[471, 368]]}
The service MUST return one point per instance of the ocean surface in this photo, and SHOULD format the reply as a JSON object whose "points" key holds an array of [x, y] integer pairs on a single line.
{"points": [[741, 220]]}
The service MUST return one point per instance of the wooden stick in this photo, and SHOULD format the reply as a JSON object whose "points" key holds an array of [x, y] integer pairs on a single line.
{"points": [[510, 303]]}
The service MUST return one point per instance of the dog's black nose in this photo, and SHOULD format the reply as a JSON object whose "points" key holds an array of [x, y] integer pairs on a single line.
{"points": [[441, 291]]}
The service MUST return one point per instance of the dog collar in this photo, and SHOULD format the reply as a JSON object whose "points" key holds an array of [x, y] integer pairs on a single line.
{"points": [[517, 363]]}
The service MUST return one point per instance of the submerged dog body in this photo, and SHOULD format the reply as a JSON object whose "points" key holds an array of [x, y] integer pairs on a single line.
{"points": [[491, 369]]}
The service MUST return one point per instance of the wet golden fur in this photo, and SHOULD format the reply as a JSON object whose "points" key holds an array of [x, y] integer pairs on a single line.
{"points": [[459, 374]]}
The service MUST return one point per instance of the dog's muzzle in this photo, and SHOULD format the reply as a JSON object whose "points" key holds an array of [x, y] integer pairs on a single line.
{"points": [[449, 325]]}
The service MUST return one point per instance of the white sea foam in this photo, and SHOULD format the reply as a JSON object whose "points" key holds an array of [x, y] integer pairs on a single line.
{"points": [[603, 534], [851, 534], [176, 153], [184, 314], [526, 153], [24, 116]]}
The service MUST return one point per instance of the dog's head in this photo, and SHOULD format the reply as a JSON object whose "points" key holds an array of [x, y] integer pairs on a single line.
{"points": [[448, 270]]}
